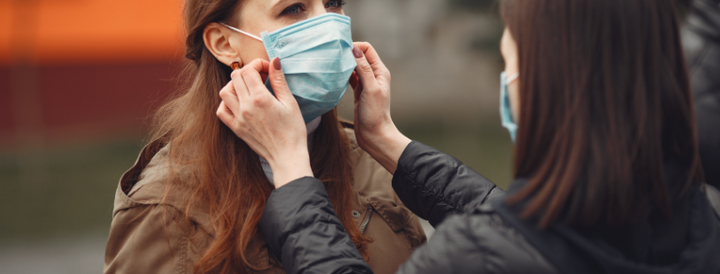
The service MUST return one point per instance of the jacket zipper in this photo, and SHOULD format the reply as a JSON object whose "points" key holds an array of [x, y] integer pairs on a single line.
{"points": [[365, 222]]}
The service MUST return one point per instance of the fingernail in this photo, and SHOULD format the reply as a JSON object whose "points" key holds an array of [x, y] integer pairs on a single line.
{"points": [[276, 63], [357, 52]]}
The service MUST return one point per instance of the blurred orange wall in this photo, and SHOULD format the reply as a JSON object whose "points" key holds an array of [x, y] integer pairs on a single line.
{"points": [[90, 31], [80, 69]]}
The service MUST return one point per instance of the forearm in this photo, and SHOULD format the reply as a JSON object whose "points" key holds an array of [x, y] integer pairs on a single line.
{"points": [[294, 165], [434, 185], [386, 146], [303, 231]]}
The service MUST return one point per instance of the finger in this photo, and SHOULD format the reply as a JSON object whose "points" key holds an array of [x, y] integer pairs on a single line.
{"points": [[259, 65], [364, 71], [238, 85], [353, 80], [229, 97], [278, 82], [379, 69], [357, 91], [254, 83], [225, 115]]}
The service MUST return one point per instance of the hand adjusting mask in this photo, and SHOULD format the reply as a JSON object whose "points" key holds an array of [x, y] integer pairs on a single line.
{"points": [[317, 60]]}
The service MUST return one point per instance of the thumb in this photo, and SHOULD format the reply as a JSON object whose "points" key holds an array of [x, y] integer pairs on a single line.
{"points": [[278, 82]]}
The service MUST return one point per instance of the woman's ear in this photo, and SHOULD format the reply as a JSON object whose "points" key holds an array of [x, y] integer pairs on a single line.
{"points": [[217, 41]]}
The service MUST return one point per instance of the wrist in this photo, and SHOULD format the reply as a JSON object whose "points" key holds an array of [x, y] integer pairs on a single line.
{"points": [[386, 146], [291, 167]]}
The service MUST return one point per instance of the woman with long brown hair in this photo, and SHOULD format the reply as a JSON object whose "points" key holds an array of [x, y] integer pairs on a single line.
{"points": [[596, 96], [193, 200]]}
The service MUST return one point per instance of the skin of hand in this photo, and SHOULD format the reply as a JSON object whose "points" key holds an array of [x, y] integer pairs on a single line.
{"points": [[374, 129], [271, 125]]}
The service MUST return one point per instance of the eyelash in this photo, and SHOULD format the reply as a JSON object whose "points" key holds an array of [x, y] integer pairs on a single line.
{"points": [[291, 10]]}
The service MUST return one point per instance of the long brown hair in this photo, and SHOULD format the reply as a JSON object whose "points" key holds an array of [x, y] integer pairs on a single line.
{"points": [[605, 103], [219, 170]]}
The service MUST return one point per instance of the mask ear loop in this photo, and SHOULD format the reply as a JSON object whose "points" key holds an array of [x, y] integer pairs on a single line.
{"points": [[240, 31], [512, 78]]}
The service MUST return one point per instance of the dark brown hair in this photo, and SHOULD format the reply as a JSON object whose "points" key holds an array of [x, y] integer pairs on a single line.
{"points": [[605, 102], [219, 170]]}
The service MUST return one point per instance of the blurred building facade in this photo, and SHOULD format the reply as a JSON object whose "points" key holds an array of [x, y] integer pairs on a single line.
{"points": [[78, 69], [82, 68]]}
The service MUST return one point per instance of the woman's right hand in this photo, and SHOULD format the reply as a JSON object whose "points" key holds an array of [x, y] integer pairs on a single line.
{"points": [[374, 129]]}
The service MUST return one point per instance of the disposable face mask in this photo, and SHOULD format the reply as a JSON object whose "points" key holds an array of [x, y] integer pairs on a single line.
{"points": [[505, 110], [317, 60]]}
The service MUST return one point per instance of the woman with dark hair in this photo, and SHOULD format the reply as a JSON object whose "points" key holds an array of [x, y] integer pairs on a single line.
{"points": [[193, 200], [607, 173]]}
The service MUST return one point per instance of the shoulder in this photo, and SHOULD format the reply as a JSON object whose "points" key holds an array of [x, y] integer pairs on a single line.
{"points": [[373, 185], [371, 181], [370, 178], [133, 180], [477, 242], [144, 185]]}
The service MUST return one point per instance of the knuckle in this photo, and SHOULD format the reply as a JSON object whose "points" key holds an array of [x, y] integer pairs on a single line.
{"points": [[258, 102], [236, 73], [365, 67], [246, 73], [246, 115], [256, 61]]}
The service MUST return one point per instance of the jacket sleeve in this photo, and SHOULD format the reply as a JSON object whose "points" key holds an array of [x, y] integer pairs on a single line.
{"points": [[434, 185], [449, 250], [476, 243], [303, 231], [145, 239]]}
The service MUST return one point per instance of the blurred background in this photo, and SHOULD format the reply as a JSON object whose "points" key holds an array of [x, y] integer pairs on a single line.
{"points": [[79, 78]]}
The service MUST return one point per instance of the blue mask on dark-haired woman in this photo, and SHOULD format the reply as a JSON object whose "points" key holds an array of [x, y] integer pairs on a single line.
{"points": [[505, 110], [317, 60]]}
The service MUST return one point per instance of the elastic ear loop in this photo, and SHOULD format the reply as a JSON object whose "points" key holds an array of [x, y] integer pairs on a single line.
{"points": [[512, 78], [240, 31]]}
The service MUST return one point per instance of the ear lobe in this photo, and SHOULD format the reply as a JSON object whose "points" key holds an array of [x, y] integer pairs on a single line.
{"points": [[217, 41]]}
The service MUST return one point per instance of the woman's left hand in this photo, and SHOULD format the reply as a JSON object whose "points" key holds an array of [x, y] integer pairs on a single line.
{"points": [[271, 125]]}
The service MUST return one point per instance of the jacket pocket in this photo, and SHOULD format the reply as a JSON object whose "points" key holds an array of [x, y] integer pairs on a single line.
{"points": [[395, 214]]}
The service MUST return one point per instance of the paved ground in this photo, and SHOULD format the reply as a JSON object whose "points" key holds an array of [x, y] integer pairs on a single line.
{"points": [[78, 255]]}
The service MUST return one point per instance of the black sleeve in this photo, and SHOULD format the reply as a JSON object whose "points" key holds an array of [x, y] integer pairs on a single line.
{"points": [[451, 249], [303, 231], [434, 185]]}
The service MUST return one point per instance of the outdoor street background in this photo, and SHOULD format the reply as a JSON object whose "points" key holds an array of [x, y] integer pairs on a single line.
{"points": [[78, 78]]}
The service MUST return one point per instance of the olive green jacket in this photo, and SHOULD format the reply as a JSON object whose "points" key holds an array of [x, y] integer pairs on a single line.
{"points": [[151, 235]]}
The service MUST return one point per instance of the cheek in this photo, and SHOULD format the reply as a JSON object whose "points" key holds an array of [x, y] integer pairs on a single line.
{"points": [[251, 50]]}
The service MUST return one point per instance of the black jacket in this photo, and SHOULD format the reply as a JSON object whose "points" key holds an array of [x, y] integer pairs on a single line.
{"points": [[701, 41], [479, 234]]}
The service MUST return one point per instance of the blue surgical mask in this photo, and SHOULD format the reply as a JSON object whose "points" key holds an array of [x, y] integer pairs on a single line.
{"points": [[505, 110], [317, 60]]}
